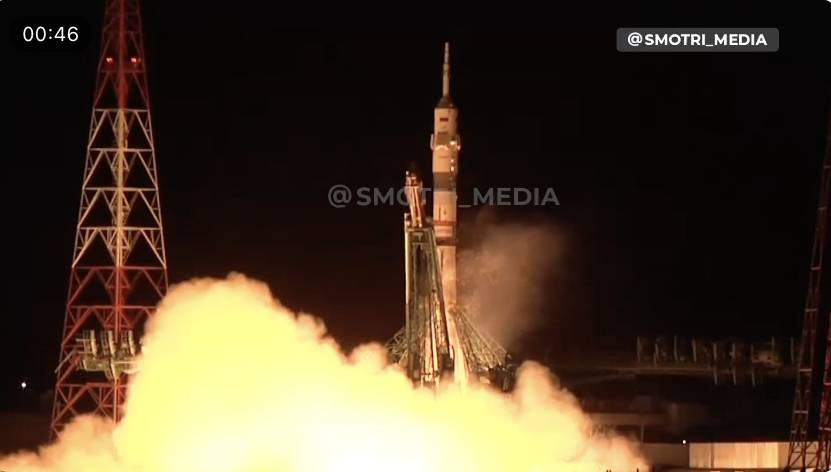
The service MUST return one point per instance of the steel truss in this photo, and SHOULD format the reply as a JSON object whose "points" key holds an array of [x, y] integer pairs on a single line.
{"points": [[803, 452], [119, 266]]}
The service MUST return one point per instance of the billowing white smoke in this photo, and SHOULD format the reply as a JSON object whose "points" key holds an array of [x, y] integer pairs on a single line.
{"points": [[232, 381], [508, 277]]}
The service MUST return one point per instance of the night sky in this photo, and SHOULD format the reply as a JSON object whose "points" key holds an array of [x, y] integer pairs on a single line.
{"points": [[687, 183]]}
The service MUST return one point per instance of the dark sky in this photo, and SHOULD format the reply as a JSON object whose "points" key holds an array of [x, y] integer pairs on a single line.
{"points": [[687, 183]]}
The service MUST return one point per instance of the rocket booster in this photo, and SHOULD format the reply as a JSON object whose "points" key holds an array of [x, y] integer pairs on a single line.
{"points": [[446, 144]]}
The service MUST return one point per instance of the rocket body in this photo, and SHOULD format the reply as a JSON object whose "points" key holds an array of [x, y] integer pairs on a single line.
{"points": [[446, 144]]}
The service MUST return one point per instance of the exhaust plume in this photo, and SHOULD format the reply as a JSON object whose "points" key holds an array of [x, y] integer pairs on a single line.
{"points": [[231, 380]]}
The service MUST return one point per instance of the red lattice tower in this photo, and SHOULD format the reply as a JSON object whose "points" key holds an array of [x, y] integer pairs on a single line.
{"points": [[119, 267], [802, 453], [824, 446]]}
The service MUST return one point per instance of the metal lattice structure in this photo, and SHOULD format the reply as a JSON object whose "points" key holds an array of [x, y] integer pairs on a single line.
{"points": [[119, 267], [99, 352], [824, 449], [436, 343], [802, 451]]}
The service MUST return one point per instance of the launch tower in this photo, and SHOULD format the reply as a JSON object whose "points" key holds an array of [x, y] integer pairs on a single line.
{"points": [[119, 267], [437, 343], [803, 452]]}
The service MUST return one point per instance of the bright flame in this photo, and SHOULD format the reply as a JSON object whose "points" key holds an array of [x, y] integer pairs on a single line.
{"points": [[231, 380]]}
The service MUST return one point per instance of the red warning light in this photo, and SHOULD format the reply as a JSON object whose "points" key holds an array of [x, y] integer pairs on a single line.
{"points": [[109, 60]]}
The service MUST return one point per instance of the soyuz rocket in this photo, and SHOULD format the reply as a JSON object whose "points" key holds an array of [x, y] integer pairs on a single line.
{"points": [[445, 143]]}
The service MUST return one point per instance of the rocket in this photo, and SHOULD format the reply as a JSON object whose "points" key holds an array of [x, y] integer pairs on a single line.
{"points": [[445, 143]]}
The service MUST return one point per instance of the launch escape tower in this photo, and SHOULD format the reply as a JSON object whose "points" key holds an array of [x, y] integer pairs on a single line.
{"points": [[439, 339], [802, 453], [119, 267]]}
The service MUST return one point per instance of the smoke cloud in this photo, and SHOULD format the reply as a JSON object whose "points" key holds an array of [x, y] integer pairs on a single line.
{"points": [[231, 380], [508, 276]]}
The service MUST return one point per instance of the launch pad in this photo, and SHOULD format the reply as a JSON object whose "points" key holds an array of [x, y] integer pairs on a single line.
{"points": [[436, 342]]}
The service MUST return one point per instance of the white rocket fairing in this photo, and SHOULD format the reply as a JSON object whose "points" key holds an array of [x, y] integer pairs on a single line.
{"points": [[446, 144]]}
